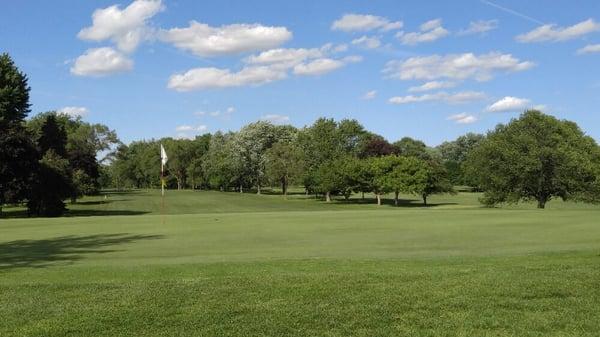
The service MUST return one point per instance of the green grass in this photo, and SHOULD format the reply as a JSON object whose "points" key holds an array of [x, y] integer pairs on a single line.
{"points": [[224, 264]]}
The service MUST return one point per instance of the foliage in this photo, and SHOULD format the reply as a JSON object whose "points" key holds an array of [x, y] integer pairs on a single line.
{"points": [[536, 157], [285, 164], [18, 156], [455, 153]]}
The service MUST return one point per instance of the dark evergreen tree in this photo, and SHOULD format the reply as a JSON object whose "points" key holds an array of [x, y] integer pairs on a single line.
{"points": [[18, 157], [53, 179]]}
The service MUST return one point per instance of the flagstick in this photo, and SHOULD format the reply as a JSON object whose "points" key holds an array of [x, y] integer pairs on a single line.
{"points": [[162, 192]]}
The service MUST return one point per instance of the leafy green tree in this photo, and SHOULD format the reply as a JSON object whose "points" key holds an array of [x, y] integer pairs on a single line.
{"points": [[54, 176], [328, 178], [253, 141], [454, 154], [18, 156], [536, 157], [285, 163], [381, 171], [409, 147]]}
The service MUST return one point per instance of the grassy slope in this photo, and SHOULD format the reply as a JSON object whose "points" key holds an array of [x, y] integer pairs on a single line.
{"points": [[258, 265]]}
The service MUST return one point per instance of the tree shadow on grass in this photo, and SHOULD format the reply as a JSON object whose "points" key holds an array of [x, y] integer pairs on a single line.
{"points": [[402, 203], [22, 213], [61, 250]]}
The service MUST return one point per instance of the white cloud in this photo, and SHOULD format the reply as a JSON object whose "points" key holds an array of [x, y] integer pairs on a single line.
{"points": [[455, 66], [189, 131], [125, 27], [363, 23], [318, 67], [462, 118], [433, 85], [187, 128], [455, 98], [589, 49], [204, 40], [479, 27], [209, 78], [429, 31], [276, 119], [267, 66], [286, 57], [324, 65], [101, 62], [553, 33], [74, 111], [369, 95], [509, 104], [369, 42]]}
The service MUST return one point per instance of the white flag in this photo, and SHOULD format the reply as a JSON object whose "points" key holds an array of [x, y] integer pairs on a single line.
{"points": [[163, 155]]}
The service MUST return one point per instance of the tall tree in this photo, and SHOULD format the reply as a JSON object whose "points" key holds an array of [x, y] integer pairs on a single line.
{"points": [[285, 163], [18, 156], [454, 154], [54, 177], [409, 147], [536, 157]]}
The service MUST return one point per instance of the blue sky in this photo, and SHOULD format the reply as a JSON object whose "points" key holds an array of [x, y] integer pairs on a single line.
{"points": [[425, 69]]}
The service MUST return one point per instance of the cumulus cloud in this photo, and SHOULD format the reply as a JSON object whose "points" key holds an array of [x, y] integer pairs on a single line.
{"points": [[462, 118], [189, 131], [101, 62], [433, 85], [369, 42], [209, 78], [455, 66], [125, 27], [509, 104], [479, 27], [204, 40], [267, 66], [363, 23], [275, 118], [187, 128], [454, 98], [429, 31], [553, 33], [74, 111], [285, 57], [589, 49], [369, 95], [318, 67]]}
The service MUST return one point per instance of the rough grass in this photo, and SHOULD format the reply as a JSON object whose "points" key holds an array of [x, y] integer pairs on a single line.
{"points": [[224, 264]]}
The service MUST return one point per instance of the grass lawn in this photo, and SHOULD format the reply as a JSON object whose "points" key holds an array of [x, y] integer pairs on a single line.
{"points": [[225, 264]]}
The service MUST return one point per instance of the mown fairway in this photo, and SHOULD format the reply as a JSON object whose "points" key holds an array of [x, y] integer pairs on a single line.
{"points": [[224, 264]]}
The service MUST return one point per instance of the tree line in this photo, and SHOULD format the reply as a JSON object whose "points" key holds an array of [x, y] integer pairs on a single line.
{"points": [[327, 158], [52, 157], [48, 158]]}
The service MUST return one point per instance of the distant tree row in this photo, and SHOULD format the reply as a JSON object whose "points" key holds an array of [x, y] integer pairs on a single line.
{"points": [[49, 158], [327, 158], [53, 157]]}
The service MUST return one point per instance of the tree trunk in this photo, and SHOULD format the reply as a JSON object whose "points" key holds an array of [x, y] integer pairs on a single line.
{"points": [[258, 189], [178, 184], [73, 199], [541, 202], [396, 198], [327, 197], [363, 195], [241, 188], [425, 199], [378, 199], [284, 186]]}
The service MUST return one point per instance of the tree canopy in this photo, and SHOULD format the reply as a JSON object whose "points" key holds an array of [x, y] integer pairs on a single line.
{"points": [[536, 157]]}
